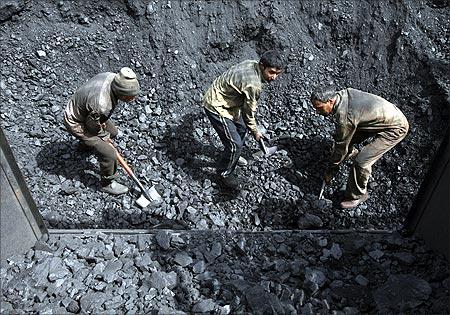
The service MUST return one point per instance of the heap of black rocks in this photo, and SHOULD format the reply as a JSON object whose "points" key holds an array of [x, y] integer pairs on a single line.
{"points": [[396, 50], [224, 272]]}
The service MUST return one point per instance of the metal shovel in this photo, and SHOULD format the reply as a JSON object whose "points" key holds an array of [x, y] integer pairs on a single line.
{"points": [[268, 151], [148, 196], [321, 190]]}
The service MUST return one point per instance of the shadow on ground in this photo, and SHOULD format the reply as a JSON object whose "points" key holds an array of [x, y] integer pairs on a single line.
{"points": [[309, 162], [66, 160], [195, 152]]}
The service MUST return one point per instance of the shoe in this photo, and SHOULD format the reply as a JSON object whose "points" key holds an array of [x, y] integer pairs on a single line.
{"points": [[242, 161], [114, 188], [230, 181], [347, 204], [352, 154]]}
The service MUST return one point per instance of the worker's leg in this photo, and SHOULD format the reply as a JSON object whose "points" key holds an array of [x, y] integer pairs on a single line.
{"points": [[232, 140], [83, 146], [243, 133], [106, 155], [108, 165], [372, 152], [357, 138], [241, 129]]}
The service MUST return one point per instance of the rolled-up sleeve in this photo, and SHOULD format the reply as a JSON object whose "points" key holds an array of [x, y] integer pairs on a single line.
{"points": [[249, 107]]}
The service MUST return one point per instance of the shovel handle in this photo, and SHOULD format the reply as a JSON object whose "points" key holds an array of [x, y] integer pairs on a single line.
{"points": [[124, 164], [130, 172], [322, 189], [121, 160], [262, 145]]}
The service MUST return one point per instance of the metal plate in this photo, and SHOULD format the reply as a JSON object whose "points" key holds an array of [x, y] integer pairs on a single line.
{"points": [[20, 222]]}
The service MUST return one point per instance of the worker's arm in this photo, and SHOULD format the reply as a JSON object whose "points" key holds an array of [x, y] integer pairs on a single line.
{"points": [[249, 107], [342, 137], [95, 125]]}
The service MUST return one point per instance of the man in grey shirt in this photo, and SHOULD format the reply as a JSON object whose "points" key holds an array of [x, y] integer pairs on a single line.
{"points": [[359, 116], [87, 117]]}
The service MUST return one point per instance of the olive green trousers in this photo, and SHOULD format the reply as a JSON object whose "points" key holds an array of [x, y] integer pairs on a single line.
{"points": [[361, 169]]}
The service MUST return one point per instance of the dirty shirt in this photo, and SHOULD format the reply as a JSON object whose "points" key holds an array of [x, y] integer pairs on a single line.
{"points": [[236, 92], [90, 106], [356, 111]]}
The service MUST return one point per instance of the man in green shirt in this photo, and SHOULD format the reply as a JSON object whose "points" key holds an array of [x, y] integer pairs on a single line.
{"points": [[230, 103], [359, 116]]}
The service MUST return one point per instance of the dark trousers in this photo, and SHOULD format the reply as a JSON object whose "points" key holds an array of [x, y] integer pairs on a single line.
{"points": [[232, 134], [105, 152]]}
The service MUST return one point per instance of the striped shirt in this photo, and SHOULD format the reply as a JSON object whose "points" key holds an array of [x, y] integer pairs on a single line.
{"points": [[236, 92]]}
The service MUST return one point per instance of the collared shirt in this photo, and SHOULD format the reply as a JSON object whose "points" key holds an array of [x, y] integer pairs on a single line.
{"points": [[355, 111], [91, 105], [236, 92]]}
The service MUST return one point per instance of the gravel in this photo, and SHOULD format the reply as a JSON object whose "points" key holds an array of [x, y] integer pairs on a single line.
{"points": [[238, 263], [49, 49], [226, 272]]}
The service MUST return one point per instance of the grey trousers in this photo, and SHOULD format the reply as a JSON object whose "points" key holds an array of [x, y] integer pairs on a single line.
{"points": [[362, 166]]}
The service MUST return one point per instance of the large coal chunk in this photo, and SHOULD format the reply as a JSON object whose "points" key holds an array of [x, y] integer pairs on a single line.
{"points": [[262, 302], [402, 293]]}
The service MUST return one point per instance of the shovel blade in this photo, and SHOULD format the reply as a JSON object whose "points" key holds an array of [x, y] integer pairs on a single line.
{"points": [[148, 197], [142, 201], [267, 151], [154, 194], [270, 151]]}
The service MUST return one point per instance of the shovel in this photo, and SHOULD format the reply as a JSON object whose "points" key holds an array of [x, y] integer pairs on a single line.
{"points": [[268, 151], [148, 196], [321, 190], [323, 203]]}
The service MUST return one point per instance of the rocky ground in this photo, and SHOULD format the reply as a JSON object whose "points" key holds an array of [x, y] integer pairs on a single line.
{"points": [[49, 48], [227, 273], [396, 49]]}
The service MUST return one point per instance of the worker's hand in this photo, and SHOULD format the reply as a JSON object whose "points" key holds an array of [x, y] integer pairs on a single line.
{"points": [[258, 136], [104, 135], [328, 178]]}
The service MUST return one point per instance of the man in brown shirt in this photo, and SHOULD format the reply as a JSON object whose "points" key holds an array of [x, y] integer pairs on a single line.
{"points": [[230, 103], [87, 117], [359, 116]]}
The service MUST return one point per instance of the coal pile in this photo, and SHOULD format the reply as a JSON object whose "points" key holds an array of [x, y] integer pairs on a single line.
{"points": [[396, 50], [230, 261], [226, 273]]}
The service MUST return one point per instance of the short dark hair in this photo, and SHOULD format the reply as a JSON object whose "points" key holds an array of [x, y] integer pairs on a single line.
{"points": [[323, 94], [272, 59]]}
